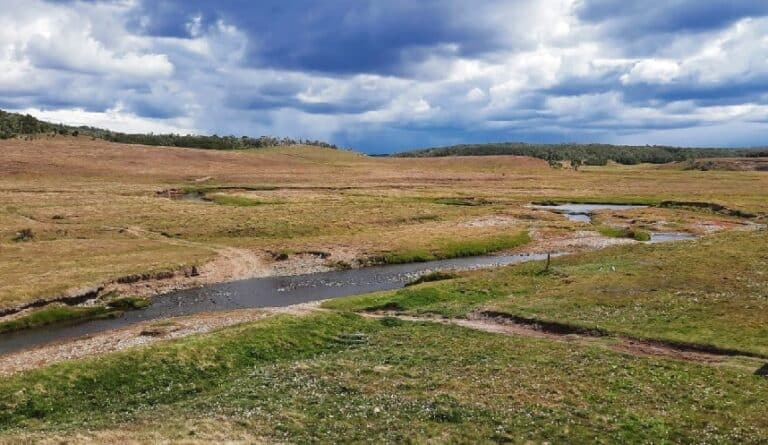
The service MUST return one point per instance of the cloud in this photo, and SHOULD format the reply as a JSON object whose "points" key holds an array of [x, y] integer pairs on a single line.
{"points": [[627, 18], [115, 119], [385, 76], [357, 36], [652, 71]]}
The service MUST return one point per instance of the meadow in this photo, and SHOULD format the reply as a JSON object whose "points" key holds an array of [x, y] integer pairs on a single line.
{"points": [[97, 211], [620, 341]]}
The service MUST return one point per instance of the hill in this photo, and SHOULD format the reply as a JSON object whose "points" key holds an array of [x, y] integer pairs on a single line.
{"points": [[14, 125], [590, 154]]}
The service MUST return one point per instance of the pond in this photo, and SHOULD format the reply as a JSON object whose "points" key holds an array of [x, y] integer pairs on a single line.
{"points": [[584, 212]]}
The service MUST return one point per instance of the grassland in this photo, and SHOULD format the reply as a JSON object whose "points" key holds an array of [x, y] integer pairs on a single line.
{"points": [[96, 221], [342, 378], [338, 375], [443, 249], [710, 293]]}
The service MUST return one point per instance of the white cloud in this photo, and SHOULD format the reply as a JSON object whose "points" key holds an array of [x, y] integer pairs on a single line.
{"points": [[476, 95], [652, 71], [57, 38], [114, 119]]}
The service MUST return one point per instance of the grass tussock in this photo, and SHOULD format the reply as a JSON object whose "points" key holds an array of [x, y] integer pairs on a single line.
{"points": [[62, 314], [455, 249], [234, 200], [624, 232], [129, 303], [471, 201], [53, 315]]}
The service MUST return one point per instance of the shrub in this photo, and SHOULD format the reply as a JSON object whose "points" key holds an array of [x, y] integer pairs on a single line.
{"points": [[24, 235], [624, 232]]}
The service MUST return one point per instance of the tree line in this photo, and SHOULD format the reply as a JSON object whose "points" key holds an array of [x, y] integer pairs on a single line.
{"points": [[586, 154], [19, 125]]}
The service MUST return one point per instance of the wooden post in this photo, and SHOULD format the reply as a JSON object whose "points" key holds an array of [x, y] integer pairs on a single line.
{"points": [[549, 259]]}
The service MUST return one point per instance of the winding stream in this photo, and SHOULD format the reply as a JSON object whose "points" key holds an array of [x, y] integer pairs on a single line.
{"points": [[286, 291], [258, 293]]}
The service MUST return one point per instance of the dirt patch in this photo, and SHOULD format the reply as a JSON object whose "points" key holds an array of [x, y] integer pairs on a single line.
{"points": [[577, 241], [717, 208], [707, 227], [658, 350], [491, 221], [71, 298], [549, 327]]}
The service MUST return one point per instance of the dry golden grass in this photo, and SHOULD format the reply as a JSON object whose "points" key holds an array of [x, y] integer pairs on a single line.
{"points": [[94, 213]]}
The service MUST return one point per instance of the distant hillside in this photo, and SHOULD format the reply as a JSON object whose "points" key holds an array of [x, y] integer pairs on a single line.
{"points": [[589, 154], [18, 125]]}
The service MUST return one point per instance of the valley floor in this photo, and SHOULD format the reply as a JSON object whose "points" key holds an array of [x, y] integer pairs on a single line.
{"points": [[632, 342]]}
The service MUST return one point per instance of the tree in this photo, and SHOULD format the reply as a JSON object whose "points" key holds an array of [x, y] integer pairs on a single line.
{"points": [[576, 163]]}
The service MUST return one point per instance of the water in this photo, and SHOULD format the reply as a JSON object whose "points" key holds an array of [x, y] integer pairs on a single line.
{"points": [[259, 293], [583, 212], [666, 237]]}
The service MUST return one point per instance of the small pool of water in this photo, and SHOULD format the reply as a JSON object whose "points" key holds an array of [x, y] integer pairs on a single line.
{"points": [[665, 237], [583, 212]]}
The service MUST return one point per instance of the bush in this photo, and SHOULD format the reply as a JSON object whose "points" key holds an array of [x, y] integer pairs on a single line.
{"points": [[24, 235], [128, 303], [624, 232]]}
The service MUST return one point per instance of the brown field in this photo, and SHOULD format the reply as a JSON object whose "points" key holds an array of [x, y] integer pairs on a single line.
{"points": [[95, 213], [634, 343]]}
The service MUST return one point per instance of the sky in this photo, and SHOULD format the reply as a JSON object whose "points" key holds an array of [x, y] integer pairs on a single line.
{"points": [[390, 75]]}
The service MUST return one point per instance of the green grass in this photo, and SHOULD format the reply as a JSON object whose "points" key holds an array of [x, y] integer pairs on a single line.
{"points": [[61, 314], [233, 200], [711, 292], [461, 201], [450, 299], [445, 249], [339, 378], [624, 232], [53, 315], [432, 277], [128, 303]]}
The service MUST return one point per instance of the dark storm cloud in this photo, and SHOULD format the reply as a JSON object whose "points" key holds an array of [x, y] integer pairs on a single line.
{"points": [[673, 16], [341, 37], [389, 75]]}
